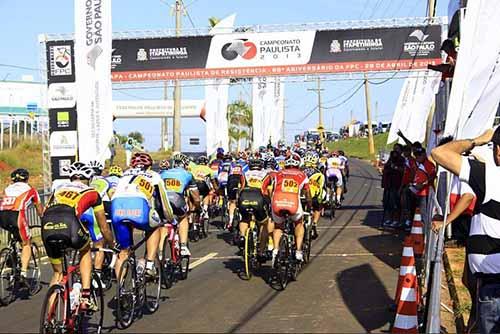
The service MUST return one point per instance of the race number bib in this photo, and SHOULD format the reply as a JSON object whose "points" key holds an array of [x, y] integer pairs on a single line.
{"points": [[67, 197], [290, 186], [144, 186], [173, 185], [254, 182], [7, 202]]}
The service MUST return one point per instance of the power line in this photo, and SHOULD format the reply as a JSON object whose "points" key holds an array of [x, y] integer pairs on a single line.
{"points": [[21, 67], [187, 14], [303, 118], [342, 95], [375, 8], [347, 99]]}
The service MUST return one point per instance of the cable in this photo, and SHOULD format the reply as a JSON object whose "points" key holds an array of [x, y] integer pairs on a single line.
{"points": [[303, 118], [379, 2], [187, 14], [346, 100], [341, 95], [21, 67]]}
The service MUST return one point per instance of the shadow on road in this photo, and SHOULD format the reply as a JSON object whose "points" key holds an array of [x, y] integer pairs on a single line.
{"points": [[366, 297]]}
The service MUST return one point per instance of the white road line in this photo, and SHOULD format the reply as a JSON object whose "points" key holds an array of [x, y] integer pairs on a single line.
{"points": [[202, 260], [344, 227], [233, 257]]}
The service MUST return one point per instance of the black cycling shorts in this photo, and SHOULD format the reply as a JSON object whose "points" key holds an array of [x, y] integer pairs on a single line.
{"points": [[252, 198], [316, 205], [178, 204], [233, 185], [203, 188], [61, 229], [9, 220]]}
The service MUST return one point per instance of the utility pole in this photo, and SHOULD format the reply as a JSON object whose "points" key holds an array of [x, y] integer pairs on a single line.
{"points": [[371, 144], [177, 88], [318, 90]]}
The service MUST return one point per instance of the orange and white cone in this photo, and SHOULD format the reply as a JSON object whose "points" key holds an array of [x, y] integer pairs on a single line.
{"points": [[417, 234], [407, 266], [406, 320]]}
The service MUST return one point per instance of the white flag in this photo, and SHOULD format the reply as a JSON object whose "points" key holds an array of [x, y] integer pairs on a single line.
{"points": [[93, 37], [216, 95], [475, 92]]}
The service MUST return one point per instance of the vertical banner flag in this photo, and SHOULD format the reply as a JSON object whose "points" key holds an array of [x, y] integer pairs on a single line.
{"points": [[93, 36], [414, 104], [267, 108], [475, 93], [217, 94]]}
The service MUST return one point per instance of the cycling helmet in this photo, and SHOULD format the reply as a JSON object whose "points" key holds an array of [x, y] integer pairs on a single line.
{"points": [[227, 158], [220, 150], [164, 164], [80, 170], [262, 149], [293, 161], [256, 164], [242, 155], [310, 160], [97, 166], [219, 156], [115, 170], [342, 153], [202, 160], [141, 160], [270, 163], [20, 175], [180, 160]]}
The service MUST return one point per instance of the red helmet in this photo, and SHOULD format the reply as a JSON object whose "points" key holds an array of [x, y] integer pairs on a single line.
{"points": [[141, 160], [293, 161]]}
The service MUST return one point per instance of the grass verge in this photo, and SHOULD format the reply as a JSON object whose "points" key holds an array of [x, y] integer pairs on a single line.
{"points": [[358, 147]]}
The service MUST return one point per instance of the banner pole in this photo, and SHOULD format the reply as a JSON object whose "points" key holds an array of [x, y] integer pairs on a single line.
{"points": [[371, 144], [177, 88]]}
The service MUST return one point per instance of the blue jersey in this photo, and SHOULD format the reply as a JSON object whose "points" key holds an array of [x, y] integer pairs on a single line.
{"points": [[177, 179], [244, 166]]}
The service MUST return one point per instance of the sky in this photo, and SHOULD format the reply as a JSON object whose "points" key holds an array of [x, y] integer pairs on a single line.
{"points": [[23, 20]]}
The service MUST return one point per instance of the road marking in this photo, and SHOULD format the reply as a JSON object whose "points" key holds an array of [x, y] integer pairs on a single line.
{"points": [[344, 227], [234, 257], [202, 260]]}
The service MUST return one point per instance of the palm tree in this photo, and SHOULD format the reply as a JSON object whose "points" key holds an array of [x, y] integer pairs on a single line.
{"points": [[240, 119]]}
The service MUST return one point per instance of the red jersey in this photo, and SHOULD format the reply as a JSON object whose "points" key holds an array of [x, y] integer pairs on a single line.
{"points": [[18, 196], [288, 185], [425, 173]]}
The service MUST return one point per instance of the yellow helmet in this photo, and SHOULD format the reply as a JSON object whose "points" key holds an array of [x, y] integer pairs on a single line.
{"points": [[116, 170]]}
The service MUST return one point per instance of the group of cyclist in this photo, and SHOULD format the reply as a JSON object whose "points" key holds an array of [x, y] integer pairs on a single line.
{"points": [[91, 209]]}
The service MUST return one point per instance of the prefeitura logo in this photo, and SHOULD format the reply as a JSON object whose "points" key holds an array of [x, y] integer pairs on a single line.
{"points": [[60, 60], [239, 47]]}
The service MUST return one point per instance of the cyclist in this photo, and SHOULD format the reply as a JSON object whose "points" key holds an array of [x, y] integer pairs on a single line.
{"points": [[344, 168], [215, 164], [180, 184], [140, 201], [289, 184], [61, 224], [101, 184], [251, 197], [17, 197], [204, 178], [317, 186], [114, 175], [333, 173], [235, 180]]}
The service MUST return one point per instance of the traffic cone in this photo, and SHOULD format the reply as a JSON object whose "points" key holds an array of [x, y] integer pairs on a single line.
{"points": [[406, 320], [407, 266], [417, 234]]}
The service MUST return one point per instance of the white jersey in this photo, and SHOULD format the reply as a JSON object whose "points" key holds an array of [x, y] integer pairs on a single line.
{"points": [[255, 178], [334, 163], [136, 182]]}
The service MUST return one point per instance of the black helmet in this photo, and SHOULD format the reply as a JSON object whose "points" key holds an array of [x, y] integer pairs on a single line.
{"points": [[20, 175], [202, 160], [256, 164], [227, 158]]}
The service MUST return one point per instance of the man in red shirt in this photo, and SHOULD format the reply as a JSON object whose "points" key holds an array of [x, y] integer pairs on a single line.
{"points": [[288, 185], [410, 166], [423, 180], [16, 199]]}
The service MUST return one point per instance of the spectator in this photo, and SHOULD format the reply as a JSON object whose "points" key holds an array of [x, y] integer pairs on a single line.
{"points": [[483, 243], [391, 182], [129, 146], [423, 180], [408, 176], [112, 148]]}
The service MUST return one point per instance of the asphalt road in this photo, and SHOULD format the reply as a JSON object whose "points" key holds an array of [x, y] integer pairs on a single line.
{"points": [[345, 289]]}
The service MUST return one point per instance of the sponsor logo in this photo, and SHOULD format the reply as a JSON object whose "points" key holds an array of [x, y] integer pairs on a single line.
{"points": [[168, 53], [63, 143], [239, 47], [62, 95], [354, 45], [142, 55], [64, 167], [116, 59], [55, 226], [92, 56], [60, 60], [335, 46], [417, 45], [62, 119]]}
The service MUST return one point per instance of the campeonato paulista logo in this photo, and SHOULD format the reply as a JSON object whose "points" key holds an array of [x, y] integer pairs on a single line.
{"points": [[239, 47]]}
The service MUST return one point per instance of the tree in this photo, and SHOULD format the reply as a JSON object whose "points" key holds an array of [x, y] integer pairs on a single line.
{"points": [[240, 119], [137, 136]]}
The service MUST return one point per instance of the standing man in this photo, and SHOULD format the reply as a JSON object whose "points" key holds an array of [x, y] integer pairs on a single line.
{"points": [[129, 146], [423, 180], [483, 244]]}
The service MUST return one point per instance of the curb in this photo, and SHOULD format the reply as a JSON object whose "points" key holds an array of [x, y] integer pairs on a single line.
{"points": [[450, 280]]}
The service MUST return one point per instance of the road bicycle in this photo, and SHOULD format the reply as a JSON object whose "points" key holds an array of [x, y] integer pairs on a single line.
{"points": [[307, 243], [198, 226], [251, 246], [286, 267], [10, 271], [333, 204], [136, 290], [173, 265], [61, 309]]}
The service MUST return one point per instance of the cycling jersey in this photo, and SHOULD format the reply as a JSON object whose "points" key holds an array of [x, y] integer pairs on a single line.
{"points": [[316, 182], [17, 198], [76, 195], [240, 167], [112, 181], [280, 160], [178, 180], [201, 172], [102, 186], [223, 173], [214, 166], [255, 178]]}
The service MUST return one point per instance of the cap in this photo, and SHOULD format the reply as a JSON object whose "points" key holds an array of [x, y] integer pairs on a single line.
{"points": [[419, 151]]}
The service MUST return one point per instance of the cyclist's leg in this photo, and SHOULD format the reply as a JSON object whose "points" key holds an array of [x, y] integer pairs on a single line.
{"points": [[277, 232], [262, 219], [22, 234], [340, 187], [232, 187], [299, 228]]}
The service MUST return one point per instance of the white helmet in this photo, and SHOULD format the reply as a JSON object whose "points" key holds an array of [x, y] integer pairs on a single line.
{"points": [[81, 169], [96, 165], [293, 161]]}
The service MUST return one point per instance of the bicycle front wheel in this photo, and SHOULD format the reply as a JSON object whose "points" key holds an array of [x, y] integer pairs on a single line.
{"points": [[7, 276], [33, 275], [55, 310], [153, 287], [126, 295]]}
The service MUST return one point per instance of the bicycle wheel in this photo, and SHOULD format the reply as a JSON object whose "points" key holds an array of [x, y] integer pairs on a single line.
{"points": [[92, 321], [55, 309], [248, 253], [167, 266], [126, 295], [153, 288], [332, 203], [33, 274], [7, 276], [281, 262], [307, 245]]}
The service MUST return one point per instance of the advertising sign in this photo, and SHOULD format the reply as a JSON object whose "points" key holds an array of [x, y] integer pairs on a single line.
{"points": [[156, 108]]}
